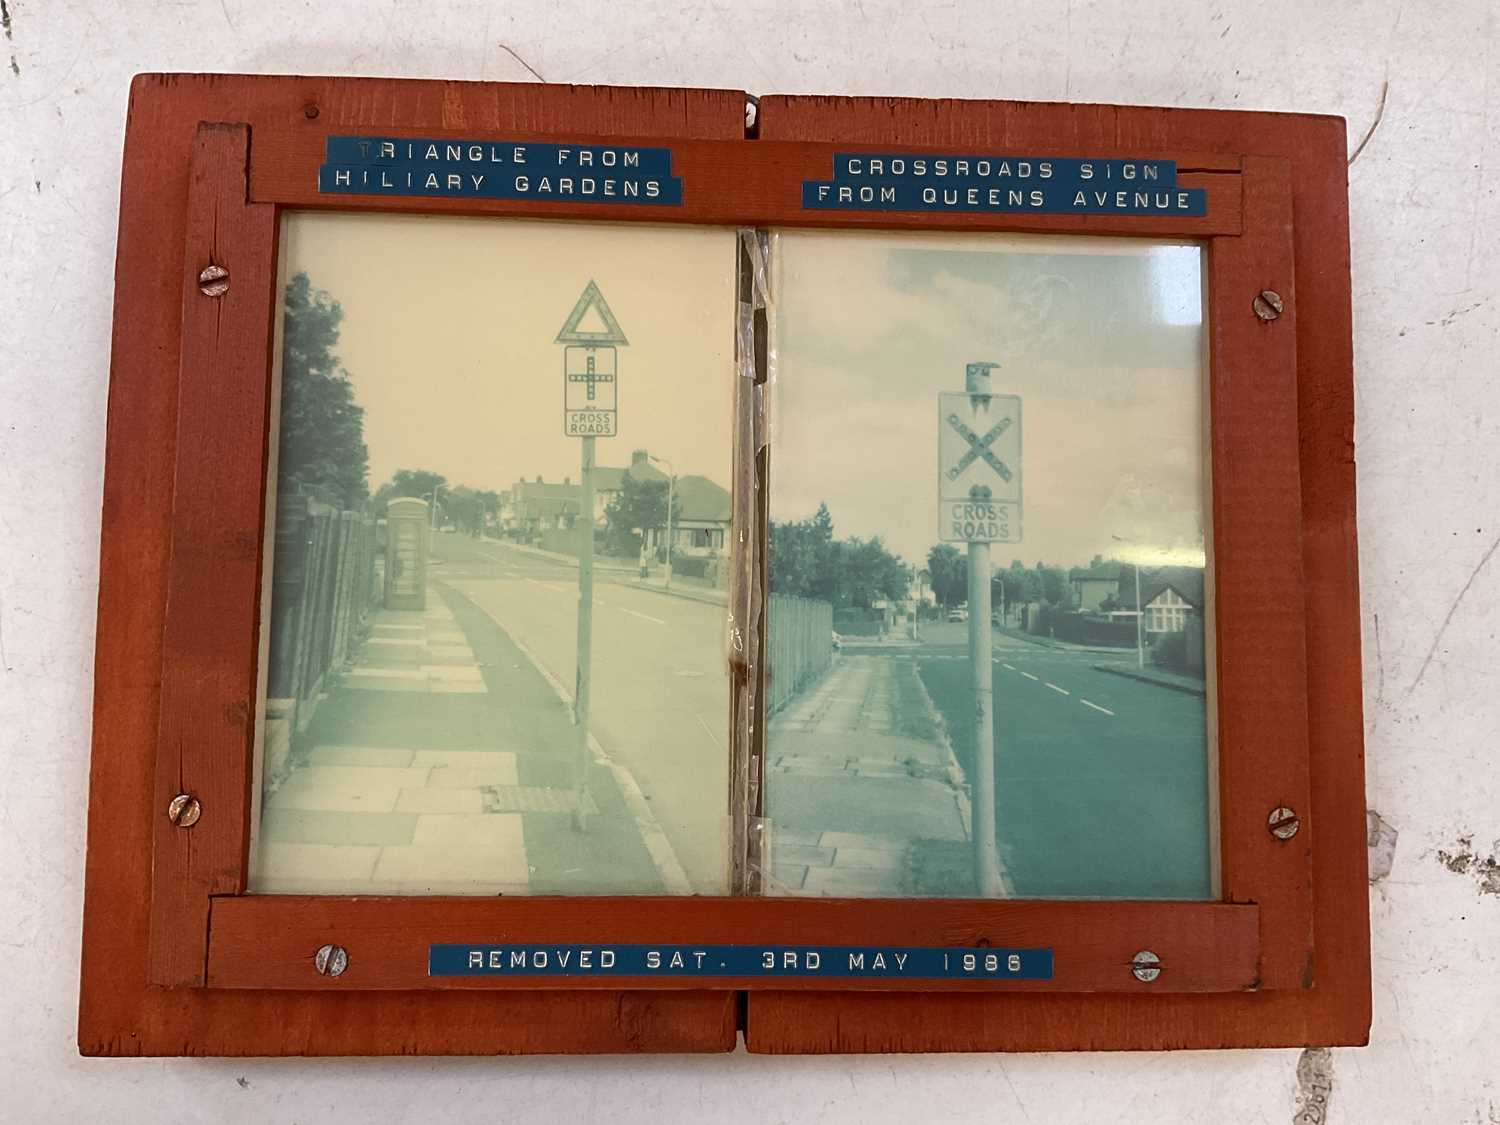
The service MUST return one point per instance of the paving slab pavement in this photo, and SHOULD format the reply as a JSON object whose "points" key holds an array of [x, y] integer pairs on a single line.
{"points": [[441, 763], [858, 773]]}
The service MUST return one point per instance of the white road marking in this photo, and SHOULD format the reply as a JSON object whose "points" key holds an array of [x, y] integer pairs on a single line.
{"points": [[1029, 676], [549, 585], [646, 616], [1096, 707], [1060, 691], [710, 732], [1008, 667]]}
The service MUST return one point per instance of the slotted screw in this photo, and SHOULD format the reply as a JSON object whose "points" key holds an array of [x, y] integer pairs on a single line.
{"points": [[331, 960], [184, 810], [1145, 966], [213, 281], [1267, 304], [1283, 823]]}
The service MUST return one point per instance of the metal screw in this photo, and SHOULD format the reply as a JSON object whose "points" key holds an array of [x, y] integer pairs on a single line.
{"points": [[184, 810], [1268, 304], [1283, 823], [310, 111], [331, 960], [1145, 966], [213, 281]]}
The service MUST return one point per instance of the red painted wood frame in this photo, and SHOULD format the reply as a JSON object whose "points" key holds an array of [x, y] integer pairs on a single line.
{"points": [[177, 959]]}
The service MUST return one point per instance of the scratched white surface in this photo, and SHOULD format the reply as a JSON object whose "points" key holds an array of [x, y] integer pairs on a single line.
{"points": [[1425, 230]]}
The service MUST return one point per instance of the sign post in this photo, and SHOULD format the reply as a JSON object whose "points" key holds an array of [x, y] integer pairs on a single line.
{"points": [[979, 503], [590, 410]]}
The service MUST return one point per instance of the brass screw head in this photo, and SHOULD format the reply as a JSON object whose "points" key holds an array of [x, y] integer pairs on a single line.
{"points": [[331, 960], [213, 281], [184, 810], [1283, 823], [1267, 304]]}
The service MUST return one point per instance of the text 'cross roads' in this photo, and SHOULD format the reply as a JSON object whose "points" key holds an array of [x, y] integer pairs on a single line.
{"points": [[979, 447]]}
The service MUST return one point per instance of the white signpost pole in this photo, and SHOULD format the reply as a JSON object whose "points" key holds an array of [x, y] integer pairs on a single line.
{"points": [[590, 409], [979, 503], [986, 847], [585, 630]]}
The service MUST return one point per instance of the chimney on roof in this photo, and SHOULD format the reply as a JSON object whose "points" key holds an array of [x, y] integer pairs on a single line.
{"points": [[638, 457]]}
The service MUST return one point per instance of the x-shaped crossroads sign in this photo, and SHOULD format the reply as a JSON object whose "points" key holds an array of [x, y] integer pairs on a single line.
{"points": [[979, 448]]}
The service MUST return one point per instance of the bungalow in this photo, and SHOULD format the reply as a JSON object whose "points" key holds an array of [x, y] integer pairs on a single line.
{"points": [[1170, 595], [701, 526]]}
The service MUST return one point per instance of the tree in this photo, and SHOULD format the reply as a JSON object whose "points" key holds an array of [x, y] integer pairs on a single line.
{"points": [[867, 573], [410, 482], [470, 509], [802, 556], [1055, 588], [322, 450], [950, 574], [639, 506], [808, 562], [1022, 585]]}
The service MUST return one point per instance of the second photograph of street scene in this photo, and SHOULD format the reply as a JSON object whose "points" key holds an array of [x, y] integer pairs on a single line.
{"points": [[989, 655], [498, 560]]}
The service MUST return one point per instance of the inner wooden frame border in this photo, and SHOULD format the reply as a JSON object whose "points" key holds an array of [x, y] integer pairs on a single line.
{"points": [[1277, 876]]}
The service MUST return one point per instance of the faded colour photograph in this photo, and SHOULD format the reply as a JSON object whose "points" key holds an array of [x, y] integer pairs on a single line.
{"points": [[478, 419], [1043, 399]]}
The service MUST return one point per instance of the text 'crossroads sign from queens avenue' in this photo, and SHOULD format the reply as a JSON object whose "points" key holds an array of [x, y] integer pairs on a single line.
{"points": [[499, 170], [910, 963], [979, 468], [1002, 184]]}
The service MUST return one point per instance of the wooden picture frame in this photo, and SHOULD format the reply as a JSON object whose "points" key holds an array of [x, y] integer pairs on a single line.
{"points": [[178, 959]]}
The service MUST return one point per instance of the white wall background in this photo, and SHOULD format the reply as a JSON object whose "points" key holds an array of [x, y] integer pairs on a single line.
{"points": [[1425, 231]]}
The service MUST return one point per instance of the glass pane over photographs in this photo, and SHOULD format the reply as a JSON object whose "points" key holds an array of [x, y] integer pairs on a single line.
{"points": [[479, 420], [988, 569]]}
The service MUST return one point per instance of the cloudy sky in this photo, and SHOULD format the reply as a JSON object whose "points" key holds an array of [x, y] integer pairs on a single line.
{"points": [[448, 336], [1101, 338]]}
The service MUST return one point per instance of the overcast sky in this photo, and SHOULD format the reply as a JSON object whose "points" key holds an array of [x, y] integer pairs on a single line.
{"points": [[448, 338], [1101, 338]]}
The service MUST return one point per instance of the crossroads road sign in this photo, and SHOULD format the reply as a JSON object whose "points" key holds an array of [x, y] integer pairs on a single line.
{"points": [[590, 392], [979, 468]]}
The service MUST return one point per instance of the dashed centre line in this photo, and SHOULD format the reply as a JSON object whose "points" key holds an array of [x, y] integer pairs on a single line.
{"points": [[1059, 690], [549, 585], [645, 616]]}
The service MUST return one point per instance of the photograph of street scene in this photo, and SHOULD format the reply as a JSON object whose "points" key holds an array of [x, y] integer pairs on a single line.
{"points": [[1063, 729], [498, 560]]}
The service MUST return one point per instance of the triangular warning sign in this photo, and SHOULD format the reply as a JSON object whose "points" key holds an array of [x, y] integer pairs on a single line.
{"points": [[591, 300]]}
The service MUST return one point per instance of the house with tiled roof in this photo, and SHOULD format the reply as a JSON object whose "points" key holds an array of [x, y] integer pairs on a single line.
{"points": [[1095, 584], [537, 506], [1170, 596]]}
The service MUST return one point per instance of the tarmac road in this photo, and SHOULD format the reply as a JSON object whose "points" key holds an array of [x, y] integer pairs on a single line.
{"points": [[1102, 782], [660, 702]]}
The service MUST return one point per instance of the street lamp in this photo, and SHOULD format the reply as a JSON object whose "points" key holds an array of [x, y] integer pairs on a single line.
{"points": [[432, 520], [1140, 610], [671, 484]]}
